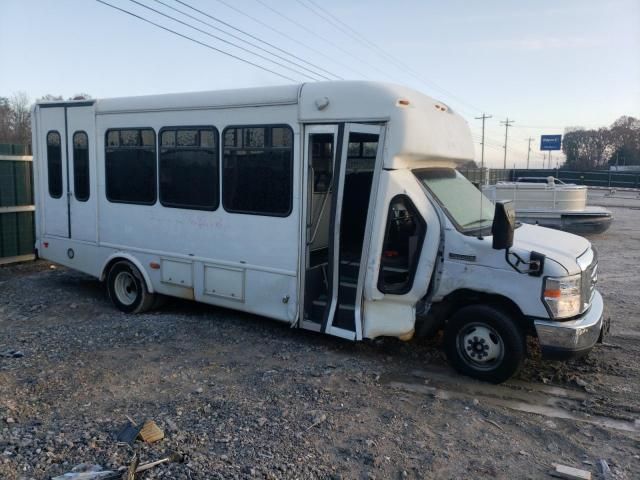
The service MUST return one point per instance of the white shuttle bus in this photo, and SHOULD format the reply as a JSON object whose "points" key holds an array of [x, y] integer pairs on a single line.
{"points": [[332, 206]]}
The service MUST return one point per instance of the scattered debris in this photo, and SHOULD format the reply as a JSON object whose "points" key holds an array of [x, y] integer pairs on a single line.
{"points": [[128, 433], [173, 458], [12, 354], [495, 424], [88, 471], [150, 432], [605, 471], [570, 473], [133, 466]]}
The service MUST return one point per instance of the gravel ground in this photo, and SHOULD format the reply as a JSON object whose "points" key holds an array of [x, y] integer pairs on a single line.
{"points": [[245, 397]]}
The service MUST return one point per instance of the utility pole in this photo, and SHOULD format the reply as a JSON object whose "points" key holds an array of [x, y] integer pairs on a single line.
{"points": [[483, 118], [529, 151], [482, 172], [507, 123]]}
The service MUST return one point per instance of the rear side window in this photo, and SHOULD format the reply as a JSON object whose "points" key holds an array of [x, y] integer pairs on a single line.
{"points": [[402, 246], [258, 170], [130, 166], [54, 164], [81, 166], [189, 168]]}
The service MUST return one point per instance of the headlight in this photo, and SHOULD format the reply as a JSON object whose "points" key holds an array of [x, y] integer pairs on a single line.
{"points": [[562, 296]]}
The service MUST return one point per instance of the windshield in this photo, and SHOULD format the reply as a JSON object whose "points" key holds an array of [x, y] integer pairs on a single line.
{"points": [[464, 204]]}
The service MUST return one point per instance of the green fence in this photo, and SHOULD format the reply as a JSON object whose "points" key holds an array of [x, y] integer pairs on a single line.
{"points": [[13, 149], [17, 232]]}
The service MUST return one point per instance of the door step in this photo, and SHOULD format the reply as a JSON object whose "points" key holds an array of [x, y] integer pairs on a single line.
{"points": [[323, 303]]}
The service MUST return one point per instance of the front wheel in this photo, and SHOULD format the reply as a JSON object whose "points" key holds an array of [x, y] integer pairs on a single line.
{"points": [[484, 343], [127, 288]]}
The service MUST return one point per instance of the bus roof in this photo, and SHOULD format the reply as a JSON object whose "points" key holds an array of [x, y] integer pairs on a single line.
{"points": [[425, 129]]}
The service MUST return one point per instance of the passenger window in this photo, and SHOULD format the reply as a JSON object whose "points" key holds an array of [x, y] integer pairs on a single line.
{"points": [[189, 168], [130, 166], [54, 164], [402, 246], [257, 173], [81, 166]]}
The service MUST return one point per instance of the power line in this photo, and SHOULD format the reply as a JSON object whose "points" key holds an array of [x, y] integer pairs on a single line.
{"points": [[275, 47], [347, 29], [287, 36], [223, 40], [363, 40], [211, 47], [324, 39]]}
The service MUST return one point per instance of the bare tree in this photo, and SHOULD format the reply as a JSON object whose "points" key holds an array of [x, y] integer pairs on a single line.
{"points": [[50, 98], [21, 118], [5, 121], [598, 148], [80, 96]]}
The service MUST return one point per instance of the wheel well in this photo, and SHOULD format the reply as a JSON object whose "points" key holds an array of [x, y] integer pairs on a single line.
{"points": [[113, 261], [443, 310]]}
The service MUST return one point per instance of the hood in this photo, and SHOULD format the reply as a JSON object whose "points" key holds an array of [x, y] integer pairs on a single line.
{"points": [[557, 245]]}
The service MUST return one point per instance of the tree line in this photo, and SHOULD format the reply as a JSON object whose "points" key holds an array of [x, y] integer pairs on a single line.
{"points": [[15, 116], [618, 144]]}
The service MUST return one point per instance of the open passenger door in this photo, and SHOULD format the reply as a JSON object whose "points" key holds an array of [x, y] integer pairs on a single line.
{"points": [[343, 164]]}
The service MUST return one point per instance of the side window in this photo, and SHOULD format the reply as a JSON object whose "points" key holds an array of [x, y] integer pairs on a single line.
{"points": [[402, 245], [81, 166], [257, 175], [189, 168], [130, 166], [54, 164]]}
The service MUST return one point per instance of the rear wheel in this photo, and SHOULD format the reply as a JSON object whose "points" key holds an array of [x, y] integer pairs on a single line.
{"points": [[484, 343], [127, 288]]}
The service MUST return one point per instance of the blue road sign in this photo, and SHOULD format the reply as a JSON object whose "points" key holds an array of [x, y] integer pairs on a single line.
{"points": [[551, 142]]}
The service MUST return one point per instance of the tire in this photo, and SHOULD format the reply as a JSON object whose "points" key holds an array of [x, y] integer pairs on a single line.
{"points": [[127, 288], [483, 342], [159, 302]]}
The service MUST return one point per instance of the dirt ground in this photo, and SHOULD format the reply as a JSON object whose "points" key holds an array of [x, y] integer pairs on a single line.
{"points": [[245, 397]]}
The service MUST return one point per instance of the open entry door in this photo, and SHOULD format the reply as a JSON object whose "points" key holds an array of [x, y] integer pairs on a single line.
{"points": [[343, 163]]}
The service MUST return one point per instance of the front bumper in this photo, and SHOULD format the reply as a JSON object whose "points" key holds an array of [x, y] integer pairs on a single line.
{"points": [[574, 338]]}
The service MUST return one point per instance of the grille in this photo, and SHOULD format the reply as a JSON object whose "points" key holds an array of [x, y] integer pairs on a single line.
{"points": [[589, 280]]}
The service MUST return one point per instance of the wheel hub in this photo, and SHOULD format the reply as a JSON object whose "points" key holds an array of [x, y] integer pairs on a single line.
{"points": [[481, 344], [126, 288]]}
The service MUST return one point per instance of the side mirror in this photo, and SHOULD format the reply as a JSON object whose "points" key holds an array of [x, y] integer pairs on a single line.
{"points": [[504, 222]]}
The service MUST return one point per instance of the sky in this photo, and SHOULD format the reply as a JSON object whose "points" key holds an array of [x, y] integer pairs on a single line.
{"points": [[546, 64]]}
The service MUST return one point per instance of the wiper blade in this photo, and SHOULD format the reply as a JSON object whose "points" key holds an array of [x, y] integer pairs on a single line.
{"points": [[475, 221]]}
